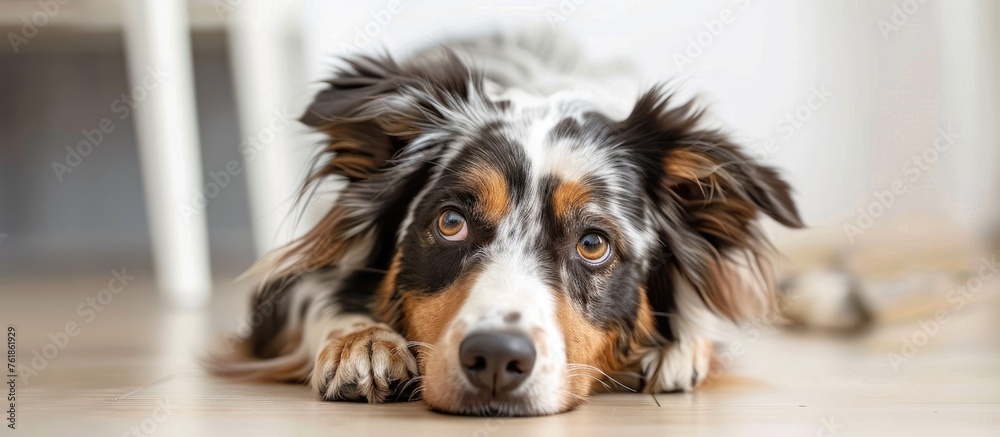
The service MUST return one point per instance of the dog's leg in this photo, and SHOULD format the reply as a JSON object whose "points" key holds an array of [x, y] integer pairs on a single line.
{"points": [[355, 357], [320, 329], [358, 358], [680, 366], [684, 360]]}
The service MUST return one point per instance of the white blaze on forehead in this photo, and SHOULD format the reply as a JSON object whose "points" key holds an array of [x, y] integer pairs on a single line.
{"points": [[532, 116], [570, 159], [578, 159]]}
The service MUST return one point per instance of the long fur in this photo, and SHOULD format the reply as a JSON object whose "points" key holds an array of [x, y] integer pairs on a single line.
{"points": [[508, 117]]}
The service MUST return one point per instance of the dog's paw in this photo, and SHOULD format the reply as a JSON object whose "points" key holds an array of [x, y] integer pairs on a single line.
{"points": [[679, 366], [368, 365]]}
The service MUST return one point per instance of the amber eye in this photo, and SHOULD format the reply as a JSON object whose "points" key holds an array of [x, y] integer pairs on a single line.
{"points": [[594, 248], [452, 226]]}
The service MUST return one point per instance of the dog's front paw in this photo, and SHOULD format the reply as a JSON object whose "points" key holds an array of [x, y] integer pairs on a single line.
{"points": [[368, 365], [679, 366]]}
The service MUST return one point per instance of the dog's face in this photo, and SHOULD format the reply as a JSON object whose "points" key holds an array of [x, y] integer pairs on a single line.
{"points": [[527, 247], [521, 263]]}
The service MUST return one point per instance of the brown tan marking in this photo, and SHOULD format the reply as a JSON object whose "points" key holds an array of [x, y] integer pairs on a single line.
{"points": [[685, 165], [585, 344], [704, 188], [427, 317], [426, 320], [384, 306], [491, 190], [569, 196]]}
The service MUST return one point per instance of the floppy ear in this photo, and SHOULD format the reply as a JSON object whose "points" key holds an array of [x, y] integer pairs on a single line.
{"points": [[384, 126], [365, 116], [707, 196]]}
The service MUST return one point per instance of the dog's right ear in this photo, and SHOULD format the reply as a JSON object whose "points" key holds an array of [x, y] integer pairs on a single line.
{"points": [[374, 108], [386, 125], [365, 117]]}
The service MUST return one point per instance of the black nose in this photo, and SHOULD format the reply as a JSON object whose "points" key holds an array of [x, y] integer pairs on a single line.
{"points": [[496, 361]]}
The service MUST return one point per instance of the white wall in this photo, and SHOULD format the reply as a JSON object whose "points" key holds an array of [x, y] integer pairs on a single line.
{"points": [[892, 88]]}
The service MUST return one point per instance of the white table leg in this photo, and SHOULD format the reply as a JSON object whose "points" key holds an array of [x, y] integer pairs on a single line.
{"points": [[268, 73], [162, 89], [970, 57]]}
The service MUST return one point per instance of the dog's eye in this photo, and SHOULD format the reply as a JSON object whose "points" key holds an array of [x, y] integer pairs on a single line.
{"points": [[452, 226], [593, 248]]}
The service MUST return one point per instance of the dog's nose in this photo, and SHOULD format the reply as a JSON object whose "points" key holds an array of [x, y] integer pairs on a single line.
{"points": [[497, 361]]}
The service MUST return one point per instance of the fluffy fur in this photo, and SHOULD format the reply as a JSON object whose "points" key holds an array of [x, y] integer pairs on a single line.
{"points": [[372, 303]]}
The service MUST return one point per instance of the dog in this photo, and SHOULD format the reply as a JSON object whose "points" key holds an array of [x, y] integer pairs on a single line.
{"points": [[508, 237]]}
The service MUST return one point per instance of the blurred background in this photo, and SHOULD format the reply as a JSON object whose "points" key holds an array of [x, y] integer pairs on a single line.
{"points": [[194, 169], [153, 144]]}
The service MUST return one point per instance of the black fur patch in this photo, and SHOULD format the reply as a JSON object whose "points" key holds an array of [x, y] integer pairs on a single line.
{"points": [[269, 313], [430, 263]]}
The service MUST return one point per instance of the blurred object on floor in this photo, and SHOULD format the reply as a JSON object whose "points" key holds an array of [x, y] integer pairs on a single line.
{"points": [[916, 270]]}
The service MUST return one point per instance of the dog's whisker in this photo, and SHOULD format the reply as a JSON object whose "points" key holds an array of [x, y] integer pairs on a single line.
{"points": [[398, 350], [407, 384], [574, 395], [628, 373], [420, 344], [572, 375], [418, 391], [589, 367]]}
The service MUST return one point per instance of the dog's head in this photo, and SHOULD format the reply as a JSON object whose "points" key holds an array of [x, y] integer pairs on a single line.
{"points": [[530, 246]]}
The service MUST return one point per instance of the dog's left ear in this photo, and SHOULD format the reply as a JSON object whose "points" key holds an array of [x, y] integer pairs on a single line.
{"points": [[707, 195]]}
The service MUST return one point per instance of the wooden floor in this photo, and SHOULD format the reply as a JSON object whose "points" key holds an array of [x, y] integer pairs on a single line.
{"points": [[132, 371]]}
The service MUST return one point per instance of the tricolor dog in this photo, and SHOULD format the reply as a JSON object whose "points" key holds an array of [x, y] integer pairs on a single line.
{"points": [[509, 236]]}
